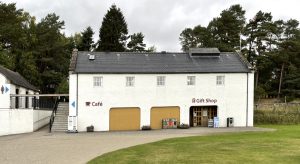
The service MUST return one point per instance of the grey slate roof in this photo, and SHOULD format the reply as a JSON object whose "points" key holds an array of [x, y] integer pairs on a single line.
{"points": [[132, 62], [16, 78]]}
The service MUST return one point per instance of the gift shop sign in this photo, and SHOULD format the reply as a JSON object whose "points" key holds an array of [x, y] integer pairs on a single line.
{"points": [[93, 103], [204, 100]]}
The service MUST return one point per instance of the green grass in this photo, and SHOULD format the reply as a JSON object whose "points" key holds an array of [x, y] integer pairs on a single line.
{"points": [[281, 146], [280, 115]]}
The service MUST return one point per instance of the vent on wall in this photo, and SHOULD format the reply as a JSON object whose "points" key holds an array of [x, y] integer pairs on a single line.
{"points": [[204, 52], [91, 57]]}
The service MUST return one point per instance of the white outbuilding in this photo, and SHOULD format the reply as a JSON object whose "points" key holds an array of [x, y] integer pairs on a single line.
{"points": [[19, 111], [129, 90]]}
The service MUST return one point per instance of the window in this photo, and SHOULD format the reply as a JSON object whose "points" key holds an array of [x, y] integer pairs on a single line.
{"points": [[220, 80], [161, 80], [129, 81], [98, 81], [191, 80]]}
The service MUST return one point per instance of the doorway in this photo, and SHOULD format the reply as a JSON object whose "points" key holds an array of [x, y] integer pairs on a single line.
{"points": [[199, 115]]}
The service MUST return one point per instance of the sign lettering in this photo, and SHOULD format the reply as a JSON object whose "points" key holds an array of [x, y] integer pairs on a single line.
{"points": [[88, 103], [203, 101]]}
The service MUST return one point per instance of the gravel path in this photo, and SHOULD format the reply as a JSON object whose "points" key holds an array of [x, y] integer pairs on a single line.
{"points": [[44, 147]]}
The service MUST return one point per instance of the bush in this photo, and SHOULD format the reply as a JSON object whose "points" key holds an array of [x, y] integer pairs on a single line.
{"points": [[279, 115]]}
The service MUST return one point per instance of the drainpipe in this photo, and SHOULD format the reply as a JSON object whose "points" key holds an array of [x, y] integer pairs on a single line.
{"points": [[247, 100], [77, 94]]}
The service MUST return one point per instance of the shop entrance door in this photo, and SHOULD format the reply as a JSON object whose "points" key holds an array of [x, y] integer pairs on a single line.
{"points": [[199, 115]]}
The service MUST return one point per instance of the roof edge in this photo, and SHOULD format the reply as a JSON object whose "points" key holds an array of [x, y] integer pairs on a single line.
{"points": [[244, 60]]}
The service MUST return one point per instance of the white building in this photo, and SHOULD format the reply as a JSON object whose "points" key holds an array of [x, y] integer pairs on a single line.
{"points": [[125, 91], [16, 112]]}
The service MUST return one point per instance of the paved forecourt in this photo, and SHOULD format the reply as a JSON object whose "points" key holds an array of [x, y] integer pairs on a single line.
{"points": [[44, 147]]}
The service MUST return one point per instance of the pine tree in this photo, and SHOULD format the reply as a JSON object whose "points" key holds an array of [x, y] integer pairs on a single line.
{"points": [[222, 32], [227, 28], [86, 43], [136, 43], [113, 31]]}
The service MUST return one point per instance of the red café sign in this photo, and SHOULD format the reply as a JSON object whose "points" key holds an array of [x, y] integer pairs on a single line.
{"points": [[88, 103], [202, 100]]}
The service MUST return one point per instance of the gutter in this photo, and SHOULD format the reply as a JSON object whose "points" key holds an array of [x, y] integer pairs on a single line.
{"points": [[247, 100]]}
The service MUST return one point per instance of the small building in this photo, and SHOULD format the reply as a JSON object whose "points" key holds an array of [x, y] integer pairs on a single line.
{"points": [[17, 102], [12, 83], [129, 90]]}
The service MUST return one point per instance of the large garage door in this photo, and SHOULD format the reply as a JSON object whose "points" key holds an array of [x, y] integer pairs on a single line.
{"points": [[124, 119], [159, 113]]}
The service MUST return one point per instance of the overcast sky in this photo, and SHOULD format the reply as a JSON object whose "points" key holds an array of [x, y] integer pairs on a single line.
{"points": [[161, 21]]}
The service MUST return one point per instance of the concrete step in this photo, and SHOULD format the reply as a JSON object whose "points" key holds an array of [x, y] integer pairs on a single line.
{"points": [[61, 122], [59, 127], [59, 130], [61, 114]]}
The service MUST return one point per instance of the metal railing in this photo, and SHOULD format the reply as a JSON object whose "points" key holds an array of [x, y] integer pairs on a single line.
{"points": [[29, 102], [52, 117]]}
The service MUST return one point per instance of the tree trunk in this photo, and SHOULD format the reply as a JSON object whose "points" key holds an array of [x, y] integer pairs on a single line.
{"points": [[280, 80]]}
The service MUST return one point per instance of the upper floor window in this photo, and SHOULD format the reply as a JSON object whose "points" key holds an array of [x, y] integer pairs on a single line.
{"points": [[220, 80], [161, 80], [129, 81], [98, 81], [191, 80]]}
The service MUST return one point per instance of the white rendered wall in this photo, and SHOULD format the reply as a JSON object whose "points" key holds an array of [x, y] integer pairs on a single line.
{"points": [[41, 118], [231, 98], [5, 97], [16, 121]]}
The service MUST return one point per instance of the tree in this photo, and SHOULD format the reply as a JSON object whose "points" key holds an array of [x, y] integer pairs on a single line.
{"points": [[136, 43], [288, 57], [113, 31], [86, 43], [52, 52], [222, 32], [227, 28], [13, 40], [151, 49], [187, 39]]}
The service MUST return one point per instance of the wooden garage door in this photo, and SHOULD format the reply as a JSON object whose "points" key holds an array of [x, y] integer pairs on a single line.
{"points": [[159, 113], [124, 119]]}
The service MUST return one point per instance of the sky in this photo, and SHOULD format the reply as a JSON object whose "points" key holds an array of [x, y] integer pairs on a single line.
{"points": [[161, 21]]}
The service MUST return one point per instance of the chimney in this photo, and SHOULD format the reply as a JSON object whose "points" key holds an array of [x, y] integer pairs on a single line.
{"points": [[73, 60]]}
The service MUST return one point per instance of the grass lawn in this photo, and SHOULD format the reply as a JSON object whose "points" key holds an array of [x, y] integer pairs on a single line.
{"points": [[281, 146]]}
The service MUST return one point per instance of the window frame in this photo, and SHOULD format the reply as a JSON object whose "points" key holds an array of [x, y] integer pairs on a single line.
{"points": [[191, 80], [99, 81], [220, 80], [160, 81], [130, 80]]}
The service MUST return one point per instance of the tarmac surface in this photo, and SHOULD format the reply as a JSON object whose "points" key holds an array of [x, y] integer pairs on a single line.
{"points": [[59, 147]]}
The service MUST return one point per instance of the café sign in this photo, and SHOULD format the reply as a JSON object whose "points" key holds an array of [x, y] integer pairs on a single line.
{"points": [[91, 104]]}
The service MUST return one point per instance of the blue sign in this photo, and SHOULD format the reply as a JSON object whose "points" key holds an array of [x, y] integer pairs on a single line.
{"points": [[4, 88], [216, 122], [73, 104]]}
